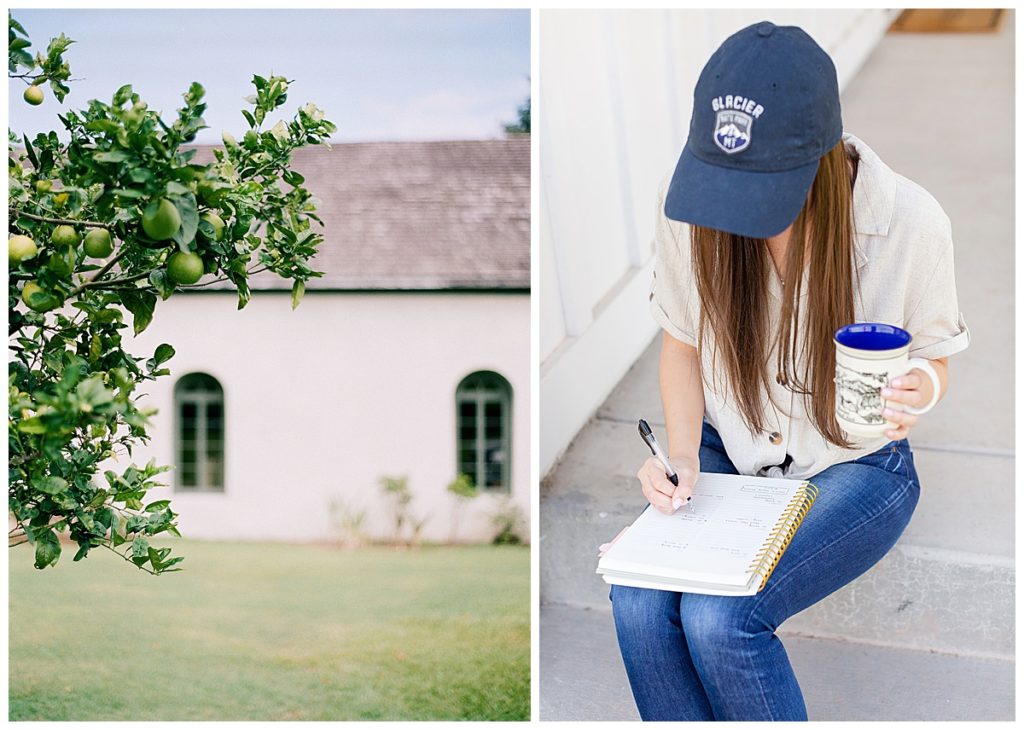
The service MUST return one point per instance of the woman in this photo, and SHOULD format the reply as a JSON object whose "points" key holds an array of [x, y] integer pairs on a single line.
{"points": [[794, 230]]}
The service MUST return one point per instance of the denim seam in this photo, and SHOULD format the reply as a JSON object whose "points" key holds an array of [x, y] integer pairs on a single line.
{"points": [[885, 509], [761, 599]]}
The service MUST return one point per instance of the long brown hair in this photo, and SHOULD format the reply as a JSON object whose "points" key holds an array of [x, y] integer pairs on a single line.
{"points": [[732, 282]]}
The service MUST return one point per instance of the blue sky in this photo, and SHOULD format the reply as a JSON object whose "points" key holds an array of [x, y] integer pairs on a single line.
{"points": [[379, 74]]}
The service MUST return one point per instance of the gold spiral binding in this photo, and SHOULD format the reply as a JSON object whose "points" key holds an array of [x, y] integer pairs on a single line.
{"points": [[781, 535]]}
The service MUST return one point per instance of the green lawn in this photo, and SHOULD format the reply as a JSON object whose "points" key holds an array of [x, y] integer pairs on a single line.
{"points": [[273, 632]]}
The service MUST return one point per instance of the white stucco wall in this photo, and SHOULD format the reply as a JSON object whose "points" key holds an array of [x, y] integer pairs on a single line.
{"points": [[322, 401], [615, 96]]}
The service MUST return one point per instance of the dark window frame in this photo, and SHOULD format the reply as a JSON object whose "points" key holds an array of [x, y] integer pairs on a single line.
{"points": [[483, 389], [200, 390]]}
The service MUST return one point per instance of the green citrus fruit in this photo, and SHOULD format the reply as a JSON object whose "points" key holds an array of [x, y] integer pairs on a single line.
{"points": [[20, 248], [43, 186], [59, 199], [184, 268], [161, 220], [211, 193], [62, 262], [98, 243], [38, 299], [34, 95], [217, 222], [64, 236]]}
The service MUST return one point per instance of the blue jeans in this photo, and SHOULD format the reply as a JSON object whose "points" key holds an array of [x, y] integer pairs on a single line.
{"points": [[691, 656]]}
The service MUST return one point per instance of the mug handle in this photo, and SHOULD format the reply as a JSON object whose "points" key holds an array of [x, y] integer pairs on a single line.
{"points": [[923, 364]]}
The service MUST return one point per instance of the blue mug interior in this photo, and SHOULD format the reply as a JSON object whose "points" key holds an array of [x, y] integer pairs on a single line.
{"points": [[872, 336]]}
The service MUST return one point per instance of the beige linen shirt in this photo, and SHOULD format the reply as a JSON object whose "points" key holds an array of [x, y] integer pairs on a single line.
{"points": [[904, 259]]}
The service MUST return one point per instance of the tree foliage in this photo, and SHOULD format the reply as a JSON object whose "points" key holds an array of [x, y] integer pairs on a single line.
{"points": [[74, 390], [522, 124]]}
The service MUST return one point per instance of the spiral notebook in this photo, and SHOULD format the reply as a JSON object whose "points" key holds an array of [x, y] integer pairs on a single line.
{"points": [[727, 544]]}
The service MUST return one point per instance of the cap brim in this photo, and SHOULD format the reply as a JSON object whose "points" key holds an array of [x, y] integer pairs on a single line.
{"points": [[751, 204]]}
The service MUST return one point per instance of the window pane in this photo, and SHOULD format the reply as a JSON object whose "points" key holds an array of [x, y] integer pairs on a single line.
{"points": [[200, 426], [495, 458], [482, 410]]}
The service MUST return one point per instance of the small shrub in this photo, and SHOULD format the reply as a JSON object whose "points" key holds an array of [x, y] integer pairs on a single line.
{"points": [[463, 489], [348, 522], [508, 520]]}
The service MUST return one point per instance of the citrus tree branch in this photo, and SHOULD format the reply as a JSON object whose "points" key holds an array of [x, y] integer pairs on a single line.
{"points": [[64, 221], [94, 283], [99, 274]]}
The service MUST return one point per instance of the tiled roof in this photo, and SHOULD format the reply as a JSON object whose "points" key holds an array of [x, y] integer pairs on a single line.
{"points": [[419, 215]]}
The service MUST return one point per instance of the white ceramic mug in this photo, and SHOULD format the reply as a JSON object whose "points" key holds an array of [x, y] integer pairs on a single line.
{"points": [[868, 356]]}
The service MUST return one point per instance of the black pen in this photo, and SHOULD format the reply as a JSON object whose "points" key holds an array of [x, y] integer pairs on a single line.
{"points": [[652, 443]]}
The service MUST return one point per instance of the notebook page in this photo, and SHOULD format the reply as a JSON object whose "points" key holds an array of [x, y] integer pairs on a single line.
{"points": [[731, 519]]}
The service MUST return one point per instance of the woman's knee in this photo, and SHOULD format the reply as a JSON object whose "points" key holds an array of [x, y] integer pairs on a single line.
{"points": [[718, 621], [643, 611]]}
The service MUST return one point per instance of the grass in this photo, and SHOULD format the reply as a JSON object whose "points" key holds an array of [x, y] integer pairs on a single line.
{"points": [[273, 632]]}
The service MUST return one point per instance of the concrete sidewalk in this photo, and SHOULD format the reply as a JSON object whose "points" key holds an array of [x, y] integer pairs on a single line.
{"points": [[928, 633], [582, 678]]}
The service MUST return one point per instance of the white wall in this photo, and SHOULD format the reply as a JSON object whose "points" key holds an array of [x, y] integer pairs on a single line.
{"points": [[324, 400], [616, 92]]}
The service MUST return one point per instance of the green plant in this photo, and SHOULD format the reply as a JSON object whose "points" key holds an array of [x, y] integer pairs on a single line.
{"points": [[522, 123], [508, 519], [463, 488], [72, 387], [416, 525], [397, 490], [348, 522], [49, 68]]}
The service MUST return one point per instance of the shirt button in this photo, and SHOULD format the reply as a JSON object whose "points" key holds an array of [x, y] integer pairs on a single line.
{"points": [[775, 437]]}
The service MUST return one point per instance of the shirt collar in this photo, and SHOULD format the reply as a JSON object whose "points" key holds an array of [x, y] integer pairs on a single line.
{"points": [[874, 196]]}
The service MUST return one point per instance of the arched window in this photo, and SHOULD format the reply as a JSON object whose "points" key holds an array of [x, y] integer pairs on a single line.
{"points": [[483, 408], [199, 427]]}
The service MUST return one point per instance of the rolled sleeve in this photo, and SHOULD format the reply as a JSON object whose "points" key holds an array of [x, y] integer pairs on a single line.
{"points": [[935, 322], [673, 291]]}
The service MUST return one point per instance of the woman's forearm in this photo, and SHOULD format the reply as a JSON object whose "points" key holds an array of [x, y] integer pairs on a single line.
{"points": [[682, 396]]}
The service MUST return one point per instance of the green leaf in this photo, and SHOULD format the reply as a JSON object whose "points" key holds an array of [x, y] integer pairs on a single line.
{"points": [[141, 304], [158, 505], [163, 353], [47, 549], [31, 152], [298, 290], [186, 233], [32, 425], [175, 188], [112, 156], [293, 178], [50, 485], [122, 95], [140, 550]]}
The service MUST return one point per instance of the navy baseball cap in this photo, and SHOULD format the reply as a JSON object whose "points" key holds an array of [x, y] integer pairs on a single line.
{"points": [[765, 110]]}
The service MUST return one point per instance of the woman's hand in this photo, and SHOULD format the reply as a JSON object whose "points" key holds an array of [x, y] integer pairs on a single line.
{"points": [[660, 492], [914, 390]]}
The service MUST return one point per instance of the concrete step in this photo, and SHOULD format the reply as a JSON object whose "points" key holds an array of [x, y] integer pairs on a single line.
{"points": [[948, 585], [582, 677]]}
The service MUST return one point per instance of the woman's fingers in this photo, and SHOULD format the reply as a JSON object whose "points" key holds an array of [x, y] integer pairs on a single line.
{"points": [[897, 434], [682, 494], [655, 473], [902, 423], [906, 389], [899, 417], [661, 501]]}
